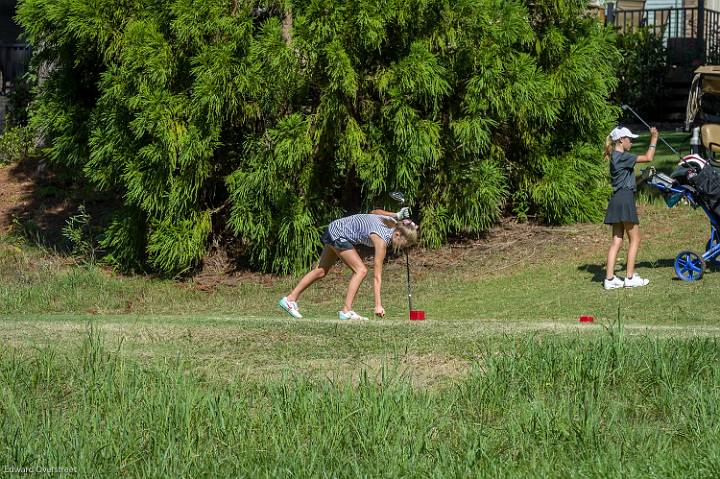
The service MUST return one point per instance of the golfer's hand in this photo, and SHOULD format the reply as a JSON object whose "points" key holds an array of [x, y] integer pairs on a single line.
{"points": [[379, 311], [654, 133], [403, 213]]}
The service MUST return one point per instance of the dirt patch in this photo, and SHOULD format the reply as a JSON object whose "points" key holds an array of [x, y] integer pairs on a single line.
{"points": [[40, 202], [509, 245], [16, 188], [36, 202]]}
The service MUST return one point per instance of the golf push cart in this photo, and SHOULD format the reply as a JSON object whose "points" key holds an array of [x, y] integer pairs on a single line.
{"points": [[696, 179]]}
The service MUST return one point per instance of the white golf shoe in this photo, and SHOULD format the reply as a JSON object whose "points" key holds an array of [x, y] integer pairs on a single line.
{"points": [[613, 283], [635, 281], [351, 315], [291, 307]]}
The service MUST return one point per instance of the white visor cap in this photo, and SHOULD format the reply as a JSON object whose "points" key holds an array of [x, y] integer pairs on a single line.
{"points": [[618, 133]]}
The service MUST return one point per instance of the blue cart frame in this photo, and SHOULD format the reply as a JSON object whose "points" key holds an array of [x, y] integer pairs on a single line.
{"points": [[689, 266]]}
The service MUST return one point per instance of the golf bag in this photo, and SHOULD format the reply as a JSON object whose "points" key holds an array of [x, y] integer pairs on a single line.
{"points": [[695, 171], [707, 184]]}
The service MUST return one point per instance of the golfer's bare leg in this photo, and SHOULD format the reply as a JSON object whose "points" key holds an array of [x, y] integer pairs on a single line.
{"points": [[633, 232], [328, 258], [352, 259], [618, 231]]}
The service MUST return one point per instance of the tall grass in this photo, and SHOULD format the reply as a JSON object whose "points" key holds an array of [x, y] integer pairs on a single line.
{"points": [[537, 405]]}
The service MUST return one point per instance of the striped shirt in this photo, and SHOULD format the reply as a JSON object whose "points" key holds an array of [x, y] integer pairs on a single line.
{"points": [[356, 229]]}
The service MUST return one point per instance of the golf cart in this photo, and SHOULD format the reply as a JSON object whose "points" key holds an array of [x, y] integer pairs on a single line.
{"points": [[702, 114]]}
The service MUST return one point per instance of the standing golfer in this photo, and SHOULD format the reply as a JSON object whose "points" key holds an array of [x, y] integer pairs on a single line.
{"points": [[621, 211], [377, 230]]}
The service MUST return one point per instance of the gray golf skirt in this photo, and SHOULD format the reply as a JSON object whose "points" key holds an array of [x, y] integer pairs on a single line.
{"points": [[622, 208]]}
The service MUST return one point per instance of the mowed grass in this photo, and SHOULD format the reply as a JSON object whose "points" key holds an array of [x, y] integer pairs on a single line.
{"points": [[520, 275], [132, 376]]}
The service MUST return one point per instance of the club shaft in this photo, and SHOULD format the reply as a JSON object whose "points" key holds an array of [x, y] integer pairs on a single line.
{"points": [[648, 126], [407, 264]]}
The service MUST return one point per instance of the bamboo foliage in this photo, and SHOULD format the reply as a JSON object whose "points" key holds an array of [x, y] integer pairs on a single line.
{"points": [[293, 113]]}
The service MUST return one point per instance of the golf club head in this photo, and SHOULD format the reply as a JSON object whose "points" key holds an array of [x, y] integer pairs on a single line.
{"points": [[624, 107], [398, 196]]}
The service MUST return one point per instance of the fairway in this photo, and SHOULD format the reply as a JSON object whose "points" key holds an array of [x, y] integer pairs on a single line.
{"points": [[433, 353]]}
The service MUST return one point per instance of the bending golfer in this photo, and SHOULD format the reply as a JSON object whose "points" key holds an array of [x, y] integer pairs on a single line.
{"points": [[378, 230], [621, 211]]}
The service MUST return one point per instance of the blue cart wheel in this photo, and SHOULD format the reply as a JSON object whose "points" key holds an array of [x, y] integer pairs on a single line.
{"points": [[712, 242], [689, 266]]}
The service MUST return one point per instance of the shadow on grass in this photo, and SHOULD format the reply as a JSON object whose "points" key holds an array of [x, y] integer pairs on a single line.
{"points": [[44, 198], [661, 263], [598, 270]]}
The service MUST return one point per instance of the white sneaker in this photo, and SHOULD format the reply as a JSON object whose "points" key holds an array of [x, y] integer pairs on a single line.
{"points": [[636, 281], [291, 307], [352, 315], [613, 283]]}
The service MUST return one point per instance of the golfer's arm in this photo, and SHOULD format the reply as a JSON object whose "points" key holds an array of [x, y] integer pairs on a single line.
{"points": [[384, 213], [380, 250], [648, 157]]}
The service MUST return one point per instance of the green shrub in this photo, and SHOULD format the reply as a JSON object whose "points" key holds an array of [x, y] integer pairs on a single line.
{"points": [[641, 72], [81, 234], [295, 113], [16, 144], [19, 100]]}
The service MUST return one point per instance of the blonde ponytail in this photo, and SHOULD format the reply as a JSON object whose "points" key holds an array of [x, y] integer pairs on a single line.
{"points": [[609, 146], [409, 232]]}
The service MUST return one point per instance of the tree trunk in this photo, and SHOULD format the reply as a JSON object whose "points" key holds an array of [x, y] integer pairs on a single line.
{"points": [[287, 24]]}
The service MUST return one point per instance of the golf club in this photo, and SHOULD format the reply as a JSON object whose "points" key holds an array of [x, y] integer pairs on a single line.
{"points": [[414, 314], [398, 196], [627, 107]]}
